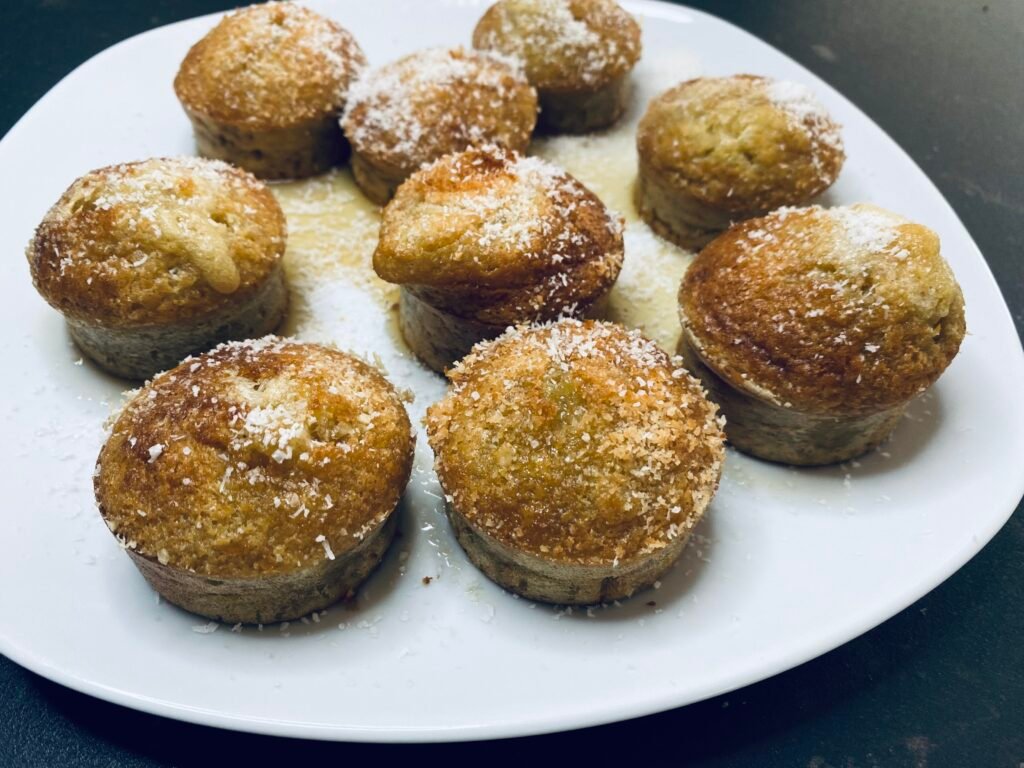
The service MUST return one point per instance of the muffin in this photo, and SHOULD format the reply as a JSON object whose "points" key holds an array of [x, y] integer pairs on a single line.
{"points": [[487, 238], [265, 87], [430, 103], [576, 458], [154, 260], [813, 328], [257, 482], [578, 54], [717, 150]]}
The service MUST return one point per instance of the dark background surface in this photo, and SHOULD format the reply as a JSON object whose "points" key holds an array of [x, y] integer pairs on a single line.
{"points": [[941, 684]]}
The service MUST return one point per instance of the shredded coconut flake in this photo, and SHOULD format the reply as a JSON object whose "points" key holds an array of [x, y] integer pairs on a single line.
{"points": [[392, 119], [868, 229], [800, 102], [328, 552]]}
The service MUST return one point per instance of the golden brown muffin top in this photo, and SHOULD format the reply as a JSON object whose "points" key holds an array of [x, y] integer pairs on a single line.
{"points": [[437, 101], [270, 66], [566, 45], [577, 442], [743, 144], [844, 310], [155, 242], [257, 458], [499, 236]]}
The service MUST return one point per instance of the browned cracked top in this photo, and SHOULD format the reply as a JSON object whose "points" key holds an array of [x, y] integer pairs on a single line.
{"points": [[498, 237], [565, 45], [437, 101], [157, 242], [273, 65], [742, 144], [259, 457], [845, 310], [577, 442]]}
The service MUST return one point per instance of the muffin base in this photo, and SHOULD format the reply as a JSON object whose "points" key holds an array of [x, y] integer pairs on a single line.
{"points": [[768, 431], [675, 215], [583, 111], [292, 152], [560, 583], [436, 337], [139, 352], [281, 597], [378, 185]]}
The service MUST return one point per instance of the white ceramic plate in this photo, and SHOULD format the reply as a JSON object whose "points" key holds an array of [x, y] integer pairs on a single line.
{"points": [[788, 565]]}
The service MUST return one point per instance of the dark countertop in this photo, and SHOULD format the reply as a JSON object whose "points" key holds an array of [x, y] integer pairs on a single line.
{"points": [[940, 684]]}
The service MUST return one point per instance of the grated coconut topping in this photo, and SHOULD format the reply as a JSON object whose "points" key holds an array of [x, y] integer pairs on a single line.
{"points": [[397, 109], [800, 102]]}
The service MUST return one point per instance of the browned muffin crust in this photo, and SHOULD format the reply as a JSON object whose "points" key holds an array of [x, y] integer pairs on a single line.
{"points": [[428, 104], [565, 45], [269, 66], [157, 242], [837, 311], [257, 459], [265, 86], [740, 145], [578, 443], [576, 53], [496, 237]]}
